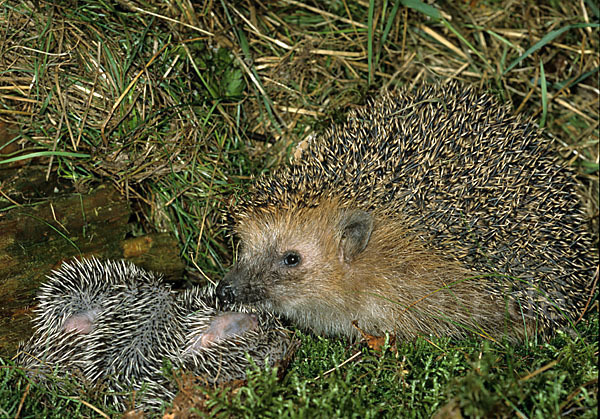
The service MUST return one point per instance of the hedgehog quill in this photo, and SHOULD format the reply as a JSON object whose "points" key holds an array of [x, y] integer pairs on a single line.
{"points": [[112, 324], [435, 212]]}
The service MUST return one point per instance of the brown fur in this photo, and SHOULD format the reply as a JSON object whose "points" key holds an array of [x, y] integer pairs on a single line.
{"points": [[394, 285]]}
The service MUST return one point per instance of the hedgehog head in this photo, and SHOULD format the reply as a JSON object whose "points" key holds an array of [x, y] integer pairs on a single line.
{"points": [[315, 267], [282, 250], [82, 322]]}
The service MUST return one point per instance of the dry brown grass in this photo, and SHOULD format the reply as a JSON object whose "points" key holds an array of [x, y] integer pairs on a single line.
{"points": [[140, 88]]}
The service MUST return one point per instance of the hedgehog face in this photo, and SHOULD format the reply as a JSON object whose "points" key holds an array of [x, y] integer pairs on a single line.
{"points": [[82, 322], [284, 254]]}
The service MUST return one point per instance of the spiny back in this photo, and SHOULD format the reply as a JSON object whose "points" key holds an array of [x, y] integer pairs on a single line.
{"points": [[468, 178]]}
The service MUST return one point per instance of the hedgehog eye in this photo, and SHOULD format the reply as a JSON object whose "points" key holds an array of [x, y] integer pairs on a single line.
{"points": [[291, 259]]}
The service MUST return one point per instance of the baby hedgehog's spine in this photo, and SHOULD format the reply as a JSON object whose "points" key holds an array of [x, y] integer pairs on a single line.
{"points": [[113, 324]]}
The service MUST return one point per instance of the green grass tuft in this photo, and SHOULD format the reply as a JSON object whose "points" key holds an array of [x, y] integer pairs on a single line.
{"points": [[180, 106]]}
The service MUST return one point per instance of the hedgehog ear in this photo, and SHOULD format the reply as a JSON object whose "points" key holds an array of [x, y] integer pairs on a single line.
{"points": [[356, 227]]}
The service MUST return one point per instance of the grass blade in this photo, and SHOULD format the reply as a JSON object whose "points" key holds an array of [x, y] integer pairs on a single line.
{"points": [[546, 40], [544, 95], [370, 31], [44, 154], [424, 8]]}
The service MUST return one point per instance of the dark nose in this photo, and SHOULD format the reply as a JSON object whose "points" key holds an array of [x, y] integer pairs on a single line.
{"points": [[225, 291]]}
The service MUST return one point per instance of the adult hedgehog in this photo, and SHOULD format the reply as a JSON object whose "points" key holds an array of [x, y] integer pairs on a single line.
{"points": [[433, 212]]}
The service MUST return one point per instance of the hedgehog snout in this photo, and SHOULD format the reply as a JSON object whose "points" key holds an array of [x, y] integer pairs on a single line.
{"points": [[233, 287], [225, 291], [244, 283]]}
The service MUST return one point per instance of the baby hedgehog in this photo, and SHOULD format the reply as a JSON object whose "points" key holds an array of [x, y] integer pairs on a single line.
{"points": [[435, 212], [112, 324]]}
